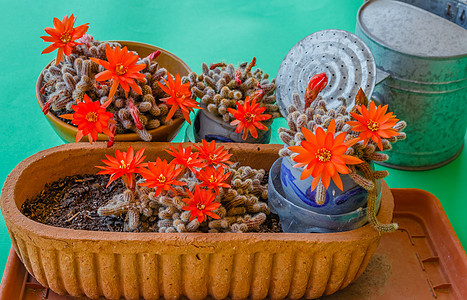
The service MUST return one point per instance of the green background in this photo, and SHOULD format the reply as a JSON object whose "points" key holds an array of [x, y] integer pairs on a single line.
{"points": [[196, 31]]}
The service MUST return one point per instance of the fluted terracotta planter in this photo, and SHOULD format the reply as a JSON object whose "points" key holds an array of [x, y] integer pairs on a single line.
{"points": [[164, 133], [153, 265]]}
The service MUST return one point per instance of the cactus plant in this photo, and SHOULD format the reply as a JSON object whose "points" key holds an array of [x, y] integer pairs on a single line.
{"points": [[160, 201], [222, 89], [66, 83]]}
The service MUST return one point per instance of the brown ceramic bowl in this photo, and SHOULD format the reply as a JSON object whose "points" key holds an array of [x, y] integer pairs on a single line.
{"points": [[170, 265], [161, 134]]}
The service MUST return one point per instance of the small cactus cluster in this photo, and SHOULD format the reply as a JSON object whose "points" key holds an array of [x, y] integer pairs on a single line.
{"points": [[243, 207], [66, 83], [317, 114], [221, 86]]}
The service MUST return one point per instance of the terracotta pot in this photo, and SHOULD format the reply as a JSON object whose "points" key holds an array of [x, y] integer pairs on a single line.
{"points": [[153, 265], [163, 133]]}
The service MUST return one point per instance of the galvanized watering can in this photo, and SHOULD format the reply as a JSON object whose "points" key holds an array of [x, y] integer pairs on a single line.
{"points": [[426, 58], [406, 57]]}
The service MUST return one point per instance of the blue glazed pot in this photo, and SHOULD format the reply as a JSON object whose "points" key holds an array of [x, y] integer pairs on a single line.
{"points": [[298, 217], [337, 201], [212, 128]]}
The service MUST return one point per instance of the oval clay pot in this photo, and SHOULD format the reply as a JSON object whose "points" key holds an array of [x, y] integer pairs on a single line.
{"points": [[171, 265], [209, 127], [163, 133]]}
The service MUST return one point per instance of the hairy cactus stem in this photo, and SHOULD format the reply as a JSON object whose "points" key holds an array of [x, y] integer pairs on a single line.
{"points": [[49, 102], [320, 196], [371, 206], [51, 81]]}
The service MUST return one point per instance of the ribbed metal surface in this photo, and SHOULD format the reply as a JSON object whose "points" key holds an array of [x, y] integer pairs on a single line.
{"points": [[343, 56], [427, 86]]}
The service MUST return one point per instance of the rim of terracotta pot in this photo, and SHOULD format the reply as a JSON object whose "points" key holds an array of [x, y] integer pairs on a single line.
{"points": [[13, 215], [171, 130]]}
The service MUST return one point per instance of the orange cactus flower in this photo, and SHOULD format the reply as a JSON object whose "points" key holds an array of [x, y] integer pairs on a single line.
{"points": [[179, 97], [249, 117], [316, 84], [125, 164], [186, 158], [212, 155], [63, 36], [161, 176], [323, 155], [213, 178], [91, 118], [121, 67], [200, 204], [374, 123]]}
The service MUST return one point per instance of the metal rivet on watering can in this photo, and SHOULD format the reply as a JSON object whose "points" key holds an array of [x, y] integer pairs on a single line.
{"points": [[426, 57], [343, 56]]}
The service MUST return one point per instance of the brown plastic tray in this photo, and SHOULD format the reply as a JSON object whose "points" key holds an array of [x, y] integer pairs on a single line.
{"points": [[422, 260]]}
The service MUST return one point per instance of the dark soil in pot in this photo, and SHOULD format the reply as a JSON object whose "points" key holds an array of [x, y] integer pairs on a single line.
{"points": [[72, 202]]}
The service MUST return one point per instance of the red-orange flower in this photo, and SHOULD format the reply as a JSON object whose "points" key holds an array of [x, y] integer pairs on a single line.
{"points": [[213, 178], [125, 164], [249, 117], [316, 84], [121, 67], [161, 176], [186, 158], [374, 123], [323, 155], [63, 36], [212, 155], [179, 97], [92, 118], [200, 204]]}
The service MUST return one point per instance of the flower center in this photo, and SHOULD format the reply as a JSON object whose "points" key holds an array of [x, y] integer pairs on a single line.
{"points": [[249, 117], [120, 69], [91, 116], [161, 179], [123, 165], [372, 125], [65, 38], [212, 179], [189, 159], [212, 156], [200, 206], [323, 155]]}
